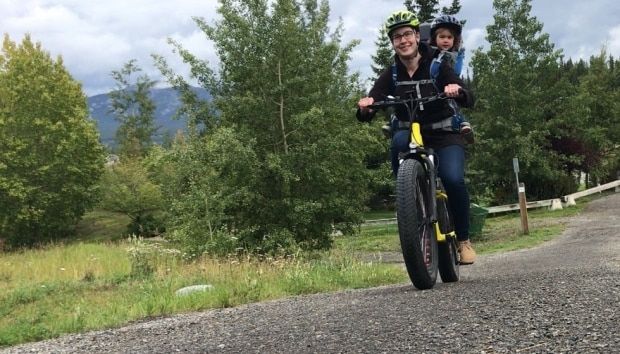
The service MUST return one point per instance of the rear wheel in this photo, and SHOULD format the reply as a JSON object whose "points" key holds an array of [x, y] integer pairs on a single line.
{"points": [[448, 252], [417, 237]]}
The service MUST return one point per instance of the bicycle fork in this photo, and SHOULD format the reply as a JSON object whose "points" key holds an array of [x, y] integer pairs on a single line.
{"points": [[427, 158]]}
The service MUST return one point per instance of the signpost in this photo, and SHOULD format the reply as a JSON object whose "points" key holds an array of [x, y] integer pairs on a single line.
{"points": [[522, 201]]}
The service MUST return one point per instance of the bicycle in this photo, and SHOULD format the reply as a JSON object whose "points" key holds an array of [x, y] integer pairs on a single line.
{"points": [[427, 238]]}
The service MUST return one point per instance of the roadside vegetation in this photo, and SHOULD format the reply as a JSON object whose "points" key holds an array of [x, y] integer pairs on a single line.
{"points": [[106, 279]]}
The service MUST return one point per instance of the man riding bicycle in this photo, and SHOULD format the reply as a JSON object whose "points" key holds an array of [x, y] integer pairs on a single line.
{"points": [[412, 71]]}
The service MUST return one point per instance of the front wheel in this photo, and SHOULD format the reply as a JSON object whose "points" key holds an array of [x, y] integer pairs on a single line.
{"points": [[448, 252], [417, 237]]}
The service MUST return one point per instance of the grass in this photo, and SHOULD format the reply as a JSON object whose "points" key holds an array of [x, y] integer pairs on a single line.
{"points": [[104, 280], [373, 238], [503, 233], [379, 214], [500, 233], [84, 286]]}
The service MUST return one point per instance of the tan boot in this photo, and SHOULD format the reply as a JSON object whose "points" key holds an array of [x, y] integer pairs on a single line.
{"points": [[466, 253]]}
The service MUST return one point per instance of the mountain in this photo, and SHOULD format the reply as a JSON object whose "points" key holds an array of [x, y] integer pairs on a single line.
{"points": [[166, 100]]}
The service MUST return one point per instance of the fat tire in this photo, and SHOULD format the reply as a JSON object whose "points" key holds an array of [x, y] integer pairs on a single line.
{"points": [[448, 252], [414, 224]]}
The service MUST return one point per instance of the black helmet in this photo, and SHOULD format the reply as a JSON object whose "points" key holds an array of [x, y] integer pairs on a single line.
{"points": [[446, 21]]}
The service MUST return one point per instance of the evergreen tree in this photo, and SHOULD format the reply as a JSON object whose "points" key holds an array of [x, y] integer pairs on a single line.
{"points": [[133, 108], [383, 58], [515, 81], [426, 10], [381, 182], [284, 162], [50, 156], [453, 9]]}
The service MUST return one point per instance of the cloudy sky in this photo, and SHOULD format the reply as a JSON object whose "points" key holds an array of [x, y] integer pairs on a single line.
{"points": [[95, 37]]}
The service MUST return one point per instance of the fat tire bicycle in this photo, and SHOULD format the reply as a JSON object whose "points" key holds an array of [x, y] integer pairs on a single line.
{"points": [[425, 227]]}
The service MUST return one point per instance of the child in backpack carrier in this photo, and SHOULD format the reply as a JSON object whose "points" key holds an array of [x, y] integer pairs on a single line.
{"points": [[445, 34]]}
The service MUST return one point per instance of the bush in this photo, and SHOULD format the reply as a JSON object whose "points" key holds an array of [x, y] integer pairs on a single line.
{"points": [[126, 188], [223, 199]]}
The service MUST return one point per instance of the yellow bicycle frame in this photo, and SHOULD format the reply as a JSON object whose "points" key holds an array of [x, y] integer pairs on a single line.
{"points": [[441, 237], [416, 138], [416, 134]]}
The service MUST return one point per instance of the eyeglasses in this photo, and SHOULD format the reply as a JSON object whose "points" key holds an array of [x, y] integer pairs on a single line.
{"points": [[405, 35]]}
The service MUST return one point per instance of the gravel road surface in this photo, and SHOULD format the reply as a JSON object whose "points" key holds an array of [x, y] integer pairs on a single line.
{"points": [[561, 297]]}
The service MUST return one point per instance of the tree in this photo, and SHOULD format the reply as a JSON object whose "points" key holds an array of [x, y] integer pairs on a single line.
{"points": [[424, 9], [454, 8], [383, 58], [516, 82], [598, 123], [50, 157], [381, 182], [133, 107], [126, 188], [281, 166]]}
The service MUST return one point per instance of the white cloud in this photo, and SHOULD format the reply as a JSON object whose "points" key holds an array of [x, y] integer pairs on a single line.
{"points": [[474, 38], [96, 37], [614, 42]]}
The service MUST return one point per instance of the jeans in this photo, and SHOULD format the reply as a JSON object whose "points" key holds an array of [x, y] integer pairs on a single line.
{"points": [[451, 170]]}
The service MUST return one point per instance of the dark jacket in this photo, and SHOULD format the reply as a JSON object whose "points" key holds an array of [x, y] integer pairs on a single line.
{"points": [[434, 111]]}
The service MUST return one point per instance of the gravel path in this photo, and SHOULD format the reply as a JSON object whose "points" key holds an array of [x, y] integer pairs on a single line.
{"points": [[562, 297]]}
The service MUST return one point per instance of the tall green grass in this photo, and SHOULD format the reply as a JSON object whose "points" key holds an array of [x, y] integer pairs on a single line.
{"points": [[62, 263], [73, 288]]}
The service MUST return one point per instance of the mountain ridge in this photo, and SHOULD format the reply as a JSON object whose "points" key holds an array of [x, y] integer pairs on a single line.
{"points": [[167, 102]]}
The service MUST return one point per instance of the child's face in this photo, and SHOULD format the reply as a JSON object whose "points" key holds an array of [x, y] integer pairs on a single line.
{"points": [[444, 39]]}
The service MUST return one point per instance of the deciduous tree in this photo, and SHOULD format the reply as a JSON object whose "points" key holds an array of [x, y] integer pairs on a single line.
{"points": [[133, 108], [50, 156], [284, 164]]}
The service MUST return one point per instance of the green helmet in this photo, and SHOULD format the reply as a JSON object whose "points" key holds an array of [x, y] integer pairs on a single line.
{"points": [[401, 19]]}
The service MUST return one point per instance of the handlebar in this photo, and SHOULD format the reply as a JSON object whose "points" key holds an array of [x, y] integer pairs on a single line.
{"points": [[409, 101]]}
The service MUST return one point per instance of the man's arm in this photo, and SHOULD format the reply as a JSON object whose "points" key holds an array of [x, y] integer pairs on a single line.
{"points": [[378, 92]]}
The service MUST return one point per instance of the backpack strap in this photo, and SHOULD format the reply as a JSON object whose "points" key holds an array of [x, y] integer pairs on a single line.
{"points": [[445, 124], [435, 68], [394, 78], [434, 73]]}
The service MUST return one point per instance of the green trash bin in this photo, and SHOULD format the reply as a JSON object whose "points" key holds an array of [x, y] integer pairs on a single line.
{"points": [[477, 215]]}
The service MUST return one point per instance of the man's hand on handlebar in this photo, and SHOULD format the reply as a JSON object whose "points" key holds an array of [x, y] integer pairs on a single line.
{"points": [[452, 90], [364, 102]]}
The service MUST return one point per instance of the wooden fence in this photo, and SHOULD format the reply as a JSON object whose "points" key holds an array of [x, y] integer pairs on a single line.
{"points": [[553, 204], [557, 203]]}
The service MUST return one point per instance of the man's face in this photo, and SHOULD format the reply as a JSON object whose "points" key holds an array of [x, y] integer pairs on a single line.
{"points": [[405, 42]]}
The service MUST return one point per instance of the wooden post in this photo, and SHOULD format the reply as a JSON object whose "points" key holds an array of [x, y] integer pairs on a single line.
{"points": [[523, 208]]}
